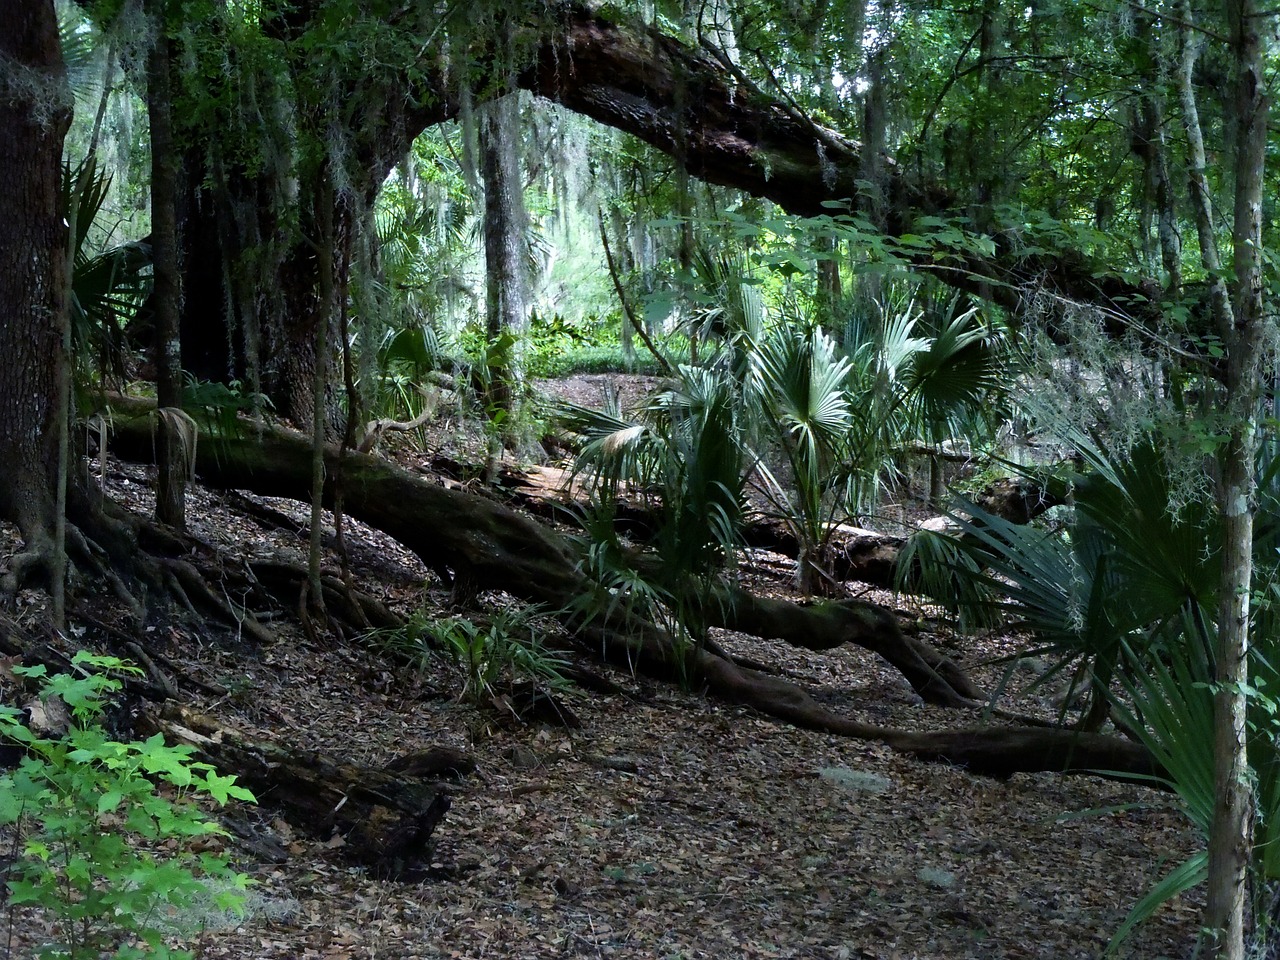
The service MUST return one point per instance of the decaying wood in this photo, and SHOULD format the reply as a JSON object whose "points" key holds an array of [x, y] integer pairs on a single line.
{"points": [[386, 815], [501, 549]]}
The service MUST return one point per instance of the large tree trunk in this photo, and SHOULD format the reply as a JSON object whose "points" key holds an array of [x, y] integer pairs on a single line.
{"points": [[35, 112], [252, 296], [621, 73], [637, 79], [248, 221], [463, 535]]}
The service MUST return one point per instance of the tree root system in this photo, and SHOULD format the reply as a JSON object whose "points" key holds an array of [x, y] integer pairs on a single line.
{"points": [[484, 542]]}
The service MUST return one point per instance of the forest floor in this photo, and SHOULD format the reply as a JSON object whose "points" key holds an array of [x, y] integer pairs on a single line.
{"points": [[669, 825]]}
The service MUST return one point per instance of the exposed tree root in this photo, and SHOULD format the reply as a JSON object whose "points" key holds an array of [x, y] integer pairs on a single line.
{"points": [[356, 611], [992, 751], [98, 545], [832, 624], [196, 589], [494, 546], [33, 563]]}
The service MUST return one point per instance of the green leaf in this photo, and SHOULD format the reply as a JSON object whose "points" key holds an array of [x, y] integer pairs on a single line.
{"points": [[221, 788], [1186, 877]]}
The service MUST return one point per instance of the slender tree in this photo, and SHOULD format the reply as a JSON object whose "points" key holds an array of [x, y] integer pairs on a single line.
{"points": [[506, 286], [1241, 321], [506, 260]]}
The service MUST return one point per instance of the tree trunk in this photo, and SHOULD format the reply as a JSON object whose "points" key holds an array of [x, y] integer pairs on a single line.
{"points": [[166, 299], [641, 81], [247, 222], [1150, 142], [321, 337], [251, 301], [506, 296], [619, 72], [1231, 832], [35, 112]]}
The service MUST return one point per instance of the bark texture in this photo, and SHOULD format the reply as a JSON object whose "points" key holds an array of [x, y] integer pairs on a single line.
{"points": [[683, 102], [35, 112], [1243, 331], [166, 296], [506, 297], [618, 71]]}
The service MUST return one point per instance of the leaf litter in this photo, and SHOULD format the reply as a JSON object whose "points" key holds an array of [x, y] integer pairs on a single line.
{"points": [[671, 825]]}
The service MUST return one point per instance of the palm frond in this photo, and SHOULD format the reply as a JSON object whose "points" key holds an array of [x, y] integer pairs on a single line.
{"points": [[1170, 706], [897, 345], [1186, 877], [79, 42], [952, 376], [1029, 572], [800, 380], [109, 287]]}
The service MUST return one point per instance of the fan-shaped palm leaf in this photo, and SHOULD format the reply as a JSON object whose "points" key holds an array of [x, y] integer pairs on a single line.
{"points": [[79, 43], [1126, 570], [893, 347], [107, 288], [732, 307], [685, 446], [800, 382], [953, 375], [1162, 552]]}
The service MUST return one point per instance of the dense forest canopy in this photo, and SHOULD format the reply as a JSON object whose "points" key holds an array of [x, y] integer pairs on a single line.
{"points": [[850, 236]]}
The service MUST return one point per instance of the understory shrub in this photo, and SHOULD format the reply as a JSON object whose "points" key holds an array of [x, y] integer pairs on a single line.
{"points": [[1121, 595], [509, 646], [90, 816]]}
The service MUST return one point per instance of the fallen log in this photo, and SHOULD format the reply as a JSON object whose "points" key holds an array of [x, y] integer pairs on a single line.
{"points": [[501, 549], [997, 752], [385, 816], [867, 556]]}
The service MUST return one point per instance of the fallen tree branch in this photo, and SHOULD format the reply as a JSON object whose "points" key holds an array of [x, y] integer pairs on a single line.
{"points": [[372, 431], [492, 545]]}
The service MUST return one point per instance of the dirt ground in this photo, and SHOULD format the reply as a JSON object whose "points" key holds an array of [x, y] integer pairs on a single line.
{"points": [[669, 825]]}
